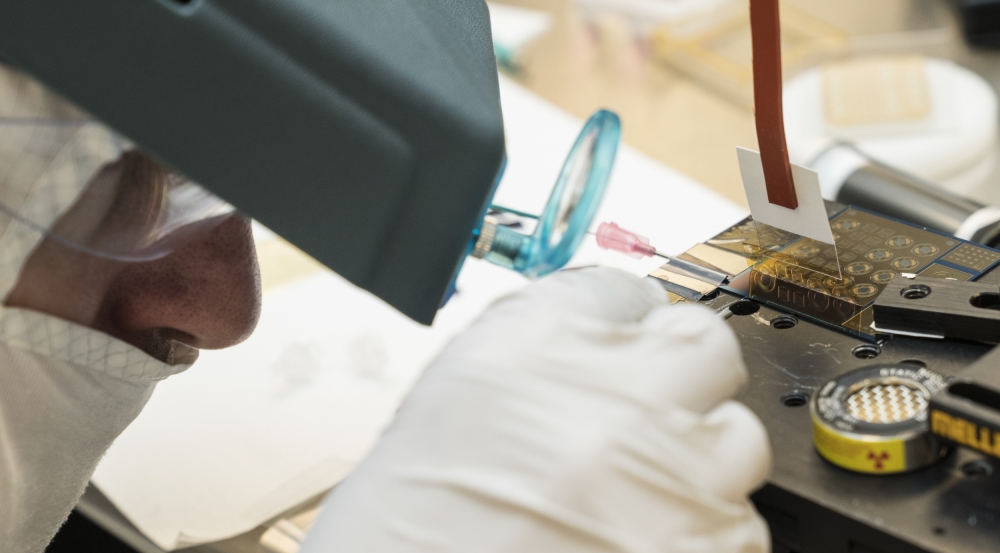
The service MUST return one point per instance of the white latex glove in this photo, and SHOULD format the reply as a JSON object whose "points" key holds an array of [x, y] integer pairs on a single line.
{"points": [[582, 414]]}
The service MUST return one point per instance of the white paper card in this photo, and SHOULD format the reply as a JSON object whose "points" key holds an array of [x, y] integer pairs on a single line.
{"points": [[809, 219]]}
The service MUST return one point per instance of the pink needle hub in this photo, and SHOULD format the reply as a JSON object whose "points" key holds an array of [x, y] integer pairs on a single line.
{"points": [[610, 236]]}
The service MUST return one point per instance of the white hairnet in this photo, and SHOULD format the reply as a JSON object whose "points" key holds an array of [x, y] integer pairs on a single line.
{"points": [[48, 154]]}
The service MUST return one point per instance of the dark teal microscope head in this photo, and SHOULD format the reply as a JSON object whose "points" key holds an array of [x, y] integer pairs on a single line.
{"points": [[367, 133]]}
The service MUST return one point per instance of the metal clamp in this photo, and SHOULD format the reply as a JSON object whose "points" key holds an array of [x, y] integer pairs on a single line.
{"points": [[939, 308]]}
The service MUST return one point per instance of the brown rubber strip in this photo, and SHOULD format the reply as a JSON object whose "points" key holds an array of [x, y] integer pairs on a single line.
{"points": [[766, 37]]}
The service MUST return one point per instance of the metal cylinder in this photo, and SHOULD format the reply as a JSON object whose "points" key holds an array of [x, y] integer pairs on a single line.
{"points": [[874, 420], [850, 177]]}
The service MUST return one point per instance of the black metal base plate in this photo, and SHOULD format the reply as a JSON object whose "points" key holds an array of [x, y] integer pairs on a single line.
{"points": [[815, 507]]}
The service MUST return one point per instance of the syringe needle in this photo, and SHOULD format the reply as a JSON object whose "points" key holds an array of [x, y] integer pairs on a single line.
{"points": [[610, 236]]}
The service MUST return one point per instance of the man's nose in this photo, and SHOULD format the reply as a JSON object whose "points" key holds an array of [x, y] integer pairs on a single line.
{"points": [[206, 294]]}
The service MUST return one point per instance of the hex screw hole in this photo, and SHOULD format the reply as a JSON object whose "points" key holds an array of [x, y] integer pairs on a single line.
{"points": [[795, 399], [986, 301], [866, 351], [783, 322], [743, 308], [977, 469], [915, 292], [938, 531]]}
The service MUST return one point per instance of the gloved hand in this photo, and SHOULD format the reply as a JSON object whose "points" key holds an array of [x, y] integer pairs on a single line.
{"points": [[582, 414]]}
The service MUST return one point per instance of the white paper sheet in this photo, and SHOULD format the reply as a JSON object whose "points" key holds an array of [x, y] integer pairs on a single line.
{"points": [[251, 431], [809, 219]]}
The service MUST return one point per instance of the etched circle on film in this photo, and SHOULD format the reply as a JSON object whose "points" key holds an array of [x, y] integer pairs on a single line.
{"points": [[840, 292], [899, 242], [864, 290], [882, 277], [905, 263], [764, 279], [878, 255], [815, 284], [818, 300], [924, 250], [858, 268], [846, 225], [805, 251], [831, 282]]}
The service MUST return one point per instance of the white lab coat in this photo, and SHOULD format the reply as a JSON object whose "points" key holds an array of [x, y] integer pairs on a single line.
{"points": [[66, 392]]}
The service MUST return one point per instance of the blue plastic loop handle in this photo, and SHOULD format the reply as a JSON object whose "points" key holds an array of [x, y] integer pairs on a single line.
{"points": [[571, 208]]}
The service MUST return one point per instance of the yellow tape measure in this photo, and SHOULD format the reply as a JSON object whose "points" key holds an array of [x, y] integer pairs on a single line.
{"points": [[874, 420]]}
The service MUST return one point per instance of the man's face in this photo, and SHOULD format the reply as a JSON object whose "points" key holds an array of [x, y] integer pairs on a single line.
{"points": [[204, 295]]}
